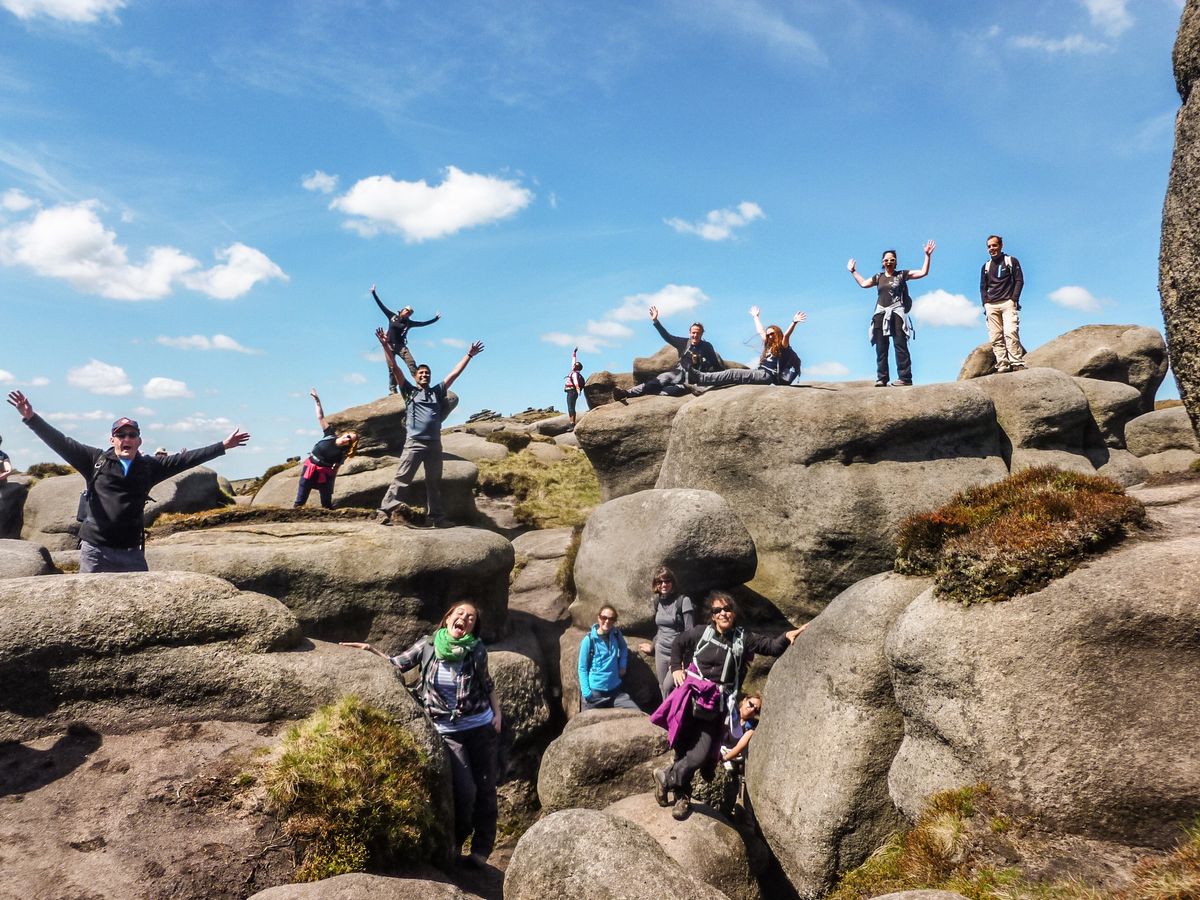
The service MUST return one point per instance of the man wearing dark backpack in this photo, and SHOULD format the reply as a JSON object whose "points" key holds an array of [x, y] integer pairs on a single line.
{"points": [[119, 479], [1000, 284]]}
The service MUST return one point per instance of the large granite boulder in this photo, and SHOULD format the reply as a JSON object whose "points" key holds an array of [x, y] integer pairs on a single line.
{"points": [[471, 447], [821, 475], [1162, 429], [646, 368], [516, 667], [52, 504], [640, 681], [363, 480], [380, 423], [19, 559], [694, 532], [584, 854], [817, 773], [601, 756], [134, 651], [1112, 405], [1178, 279], [1132, 354], [704, 845], [353, 580], [361, 886], [13, 491], [1078, 699], [626, 442], [1038, 409]]}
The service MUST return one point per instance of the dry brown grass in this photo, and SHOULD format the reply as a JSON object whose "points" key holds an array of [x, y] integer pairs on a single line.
{"points": [[549, 495], [173, 523]]}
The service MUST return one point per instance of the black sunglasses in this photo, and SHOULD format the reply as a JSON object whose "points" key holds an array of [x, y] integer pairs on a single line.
{"points": [[128, 434], [717, 610]]}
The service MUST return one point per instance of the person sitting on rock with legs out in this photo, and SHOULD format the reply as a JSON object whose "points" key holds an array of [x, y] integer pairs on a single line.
{"points": [[891, 317], [397, 333], [427, 407], [603, 658], [119, 479], [709, 664], [777, 363], [327, 456], [1000, 284], [694, 353]]}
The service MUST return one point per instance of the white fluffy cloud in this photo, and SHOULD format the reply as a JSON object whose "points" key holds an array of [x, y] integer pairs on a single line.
{"points": [[585, 342], [608, 329], [941, 309], [719, 224], [15, 200], [94, 415], [827, 370], [457, 343], [244, 267], [321, 182], [670, 300], [70, 242], [1073, 296], [1110, 16], [198, 422], [201, 342], [419, 212], [100, 378], [6, 377], [159, 388], [64, 10]]}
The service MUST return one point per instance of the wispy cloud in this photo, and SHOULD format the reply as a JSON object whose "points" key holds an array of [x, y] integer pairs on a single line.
{"points": [[457, 343], [1072, 43], [320, 182], [199, 422], [1110, 16], [100, 378], [95, 415], [64, 10], [1073, 296], [753, 21], [941, 309], [719, 224], [201, 342], [354, 378], [69, 241], [160, 388], [420, 212], [598, 334]]}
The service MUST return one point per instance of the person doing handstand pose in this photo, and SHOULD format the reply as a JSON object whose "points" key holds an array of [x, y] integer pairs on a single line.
{"points": [[397, 335], [777, 364]]}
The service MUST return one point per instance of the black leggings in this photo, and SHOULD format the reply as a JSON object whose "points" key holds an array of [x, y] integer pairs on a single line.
{"points": [[473, 764], [693, 752], [324, 491]]}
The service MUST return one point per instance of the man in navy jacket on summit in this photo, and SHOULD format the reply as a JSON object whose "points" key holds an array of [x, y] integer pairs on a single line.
{"points": [[694, 353], [119, 479]]}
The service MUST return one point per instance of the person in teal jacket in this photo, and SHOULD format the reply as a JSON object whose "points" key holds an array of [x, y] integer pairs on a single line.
{"points": [[603, 656]]}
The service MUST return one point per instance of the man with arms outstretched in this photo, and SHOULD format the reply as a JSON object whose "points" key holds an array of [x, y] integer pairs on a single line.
{"points": [[119, 479], [427, 407], [694, 353]]}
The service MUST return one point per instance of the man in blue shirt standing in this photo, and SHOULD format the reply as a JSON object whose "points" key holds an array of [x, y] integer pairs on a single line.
{"points": [[603, 656], [427, 407]]}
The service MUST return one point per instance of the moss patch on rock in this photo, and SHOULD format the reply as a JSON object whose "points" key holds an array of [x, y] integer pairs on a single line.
{"points": [[172, 523], [1017, 535], [48, 470], [549, 494], [355, 791]]}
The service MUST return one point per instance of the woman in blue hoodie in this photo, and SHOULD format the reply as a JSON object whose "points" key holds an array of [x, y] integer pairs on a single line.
{"points": [[603, 656]]}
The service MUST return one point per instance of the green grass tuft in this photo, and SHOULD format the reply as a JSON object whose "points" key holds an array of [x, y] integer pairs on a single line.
{"points": [[355, 790], [565, 577], [1017, 535], [512, 441], [549, 495], [39, 471]]}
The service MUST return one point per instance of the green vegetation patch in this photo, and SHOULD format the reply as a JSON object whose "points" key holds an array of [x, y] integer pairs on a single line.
{"points": [[171, 523], [1015, 536], [356, 791], [549, 494], [565, 577], [965, 842], [512, 441], [48, 470]]}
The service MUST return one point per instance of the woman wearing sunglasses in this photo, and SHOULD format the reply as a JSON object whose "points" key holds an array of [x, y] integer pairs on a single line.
{"points": [[674, 614], [708, 665]]}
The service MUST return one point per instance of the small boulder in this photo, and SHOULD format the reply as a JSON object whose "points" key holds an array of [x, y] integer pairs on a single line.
{"points": [[553, 426], [1169, 462], [1039, 409], [626, 442], [979, 362], [583, 854], [567, 440], [1112, 405], [694, 532], [471, 447], [546, 453], [1120, 465], [598, 390], [1132, 354], [604, 755], [19, 559], [1160, 430], [646, 368]]}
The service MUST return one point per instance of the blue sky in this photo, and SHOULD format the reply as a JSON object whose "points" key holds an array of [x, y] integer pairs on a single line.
{"points": [[195, 197]]}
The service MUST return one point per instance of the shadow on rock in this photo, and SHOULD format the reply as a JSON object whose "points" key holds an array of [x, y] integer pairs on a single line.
{"points": [[23, 769]]}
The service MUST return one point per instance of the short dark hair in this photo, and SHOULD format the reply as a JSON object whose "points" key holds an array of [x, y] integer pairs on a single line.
{"points": [[714, 596], [699, 325], [886, 252], [425, 367], [997, 237]]}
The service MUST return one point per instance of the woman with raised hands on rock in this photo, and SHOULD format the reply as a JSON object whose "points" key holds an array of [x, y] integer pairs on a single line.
{"points": [[708, 665], [327, 456], [674, 613], [460, 698], [891, 316], [778, 363]]}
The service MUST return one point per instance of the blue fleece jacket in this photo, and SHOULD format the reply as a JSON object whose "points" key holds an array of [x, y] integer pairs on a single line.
{"points": [[601, 661]]}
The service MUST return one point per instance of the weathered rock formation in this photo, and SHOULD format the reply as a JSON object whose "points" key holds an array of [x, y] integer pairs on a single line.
{"points": [[353, 580], [1131, 354], [626, 443], [19, 559], [361, 886]]}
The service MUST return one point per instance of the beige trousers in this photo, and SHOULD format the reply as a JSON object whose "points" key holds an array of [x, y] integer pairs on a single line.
{"points": [[1004, 325]]}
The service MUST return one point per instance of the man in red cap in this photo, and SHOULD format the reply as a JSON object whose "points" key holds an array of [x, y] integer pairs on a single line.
{"points": [[119, 479]]}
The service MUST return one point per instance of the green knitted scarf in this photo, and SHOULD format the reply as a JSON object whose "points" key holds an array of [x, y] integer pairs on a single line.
{"points": [[454, 649]]}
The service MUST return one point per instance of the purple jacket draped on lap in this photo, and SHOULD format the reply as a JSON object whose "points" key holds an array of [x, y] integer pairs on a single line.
{"points": [[676, 709]]}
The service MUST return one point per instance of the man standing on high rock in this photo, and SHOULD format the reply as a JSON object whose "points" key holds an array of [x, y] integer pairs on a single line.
{"points": [[119, 479], [1000, 284]]}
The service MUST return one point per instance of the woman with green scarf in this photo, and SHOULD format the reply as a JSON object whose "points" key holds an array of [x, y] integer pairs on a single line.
{"points": [[460, 697]]}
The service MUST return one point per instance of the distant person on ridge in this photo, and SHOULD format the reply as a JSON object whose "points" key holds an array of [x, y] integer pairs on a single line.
{"points": [[574, 384], [694, 353], [603, 658], [1000, 285], [327, 456], [427, 407], [119, 479], [891, 317], [397, 334], [777, 363]]}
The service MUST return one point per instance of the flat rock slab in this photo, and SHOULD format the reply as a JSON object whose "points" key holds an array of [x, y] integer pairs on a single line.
{"points": [[354, 580], [361, 886], [21, 558]]}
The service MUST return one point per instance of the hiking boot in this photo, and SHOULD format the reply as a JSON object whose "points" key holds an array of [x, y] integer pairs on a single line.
{"points": [[660, 787], [683, 806], [441, 523], [1018, 367], [900, 382], [881, 383], [620, 394], [475, 860], [382, 518], [1003, 368]]}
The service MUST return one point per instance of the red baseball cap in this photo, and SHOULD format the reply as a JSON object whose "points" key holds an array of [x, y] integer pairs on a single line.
{"points": [[122, 423]]}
